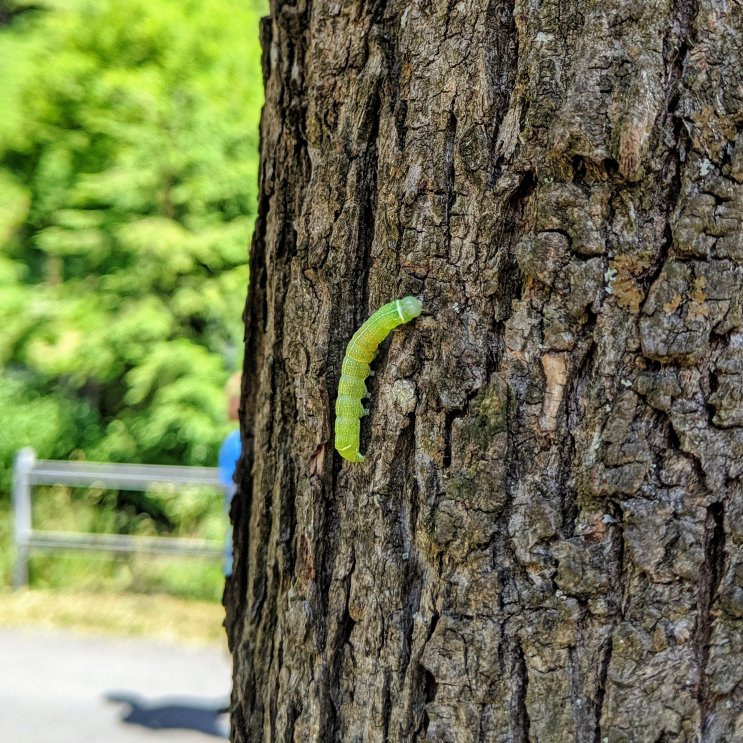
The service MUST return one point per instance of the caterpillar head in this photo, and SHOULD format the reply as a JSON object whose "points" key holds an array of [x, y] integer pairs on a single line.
{"points": [[410, 307]]}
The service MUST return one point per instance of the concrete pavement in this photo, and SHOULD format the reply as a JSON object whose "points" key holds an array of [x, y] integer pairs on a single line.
{"points": [[61, 687]]}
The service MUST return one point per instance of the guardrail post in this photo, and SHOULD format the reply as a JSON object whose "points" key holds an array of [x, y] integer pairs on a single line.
{"points": [[24, 462]]}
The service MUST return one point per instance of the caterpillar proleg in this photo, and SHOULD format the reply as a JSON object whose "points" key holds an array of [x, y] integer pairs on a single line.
{"points": [[359, 354]]}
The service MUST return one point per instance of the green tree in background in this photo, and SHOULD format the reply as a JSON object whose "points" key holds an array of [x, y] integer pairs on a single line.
{"points": [[128, 158]]}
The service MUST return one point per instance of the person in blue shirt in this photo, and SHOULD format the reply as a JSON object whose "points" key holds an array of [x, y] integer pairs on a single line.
{"points": [[229, 453]]}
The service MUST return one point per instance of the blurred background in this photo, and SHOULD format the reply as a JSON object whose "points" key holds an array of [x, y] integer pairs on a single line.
{"points": [[128, 180]]}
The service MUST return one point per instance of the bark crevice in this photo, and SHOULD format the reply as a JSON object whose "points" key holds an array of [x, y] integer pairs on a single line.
{"points": [[708, 587]]}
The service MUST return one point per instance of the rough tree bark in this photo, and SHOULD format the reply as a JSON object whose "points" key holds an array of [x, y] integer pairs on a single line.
{"points": [[544, 543]]}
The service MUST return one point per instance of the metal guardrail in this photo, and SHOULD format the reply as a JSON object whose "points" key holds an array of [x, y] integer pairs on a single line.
{"points": [[28, 471]]}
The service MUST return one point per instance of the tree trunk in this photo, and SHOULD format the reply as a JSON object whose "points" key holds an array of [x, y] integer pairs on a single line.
{"points": [[544, 543]]}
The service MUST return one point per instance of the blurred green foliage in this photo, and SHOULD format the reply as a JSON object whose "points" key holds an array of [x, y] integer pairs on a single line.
{"points": [[128, 177]]}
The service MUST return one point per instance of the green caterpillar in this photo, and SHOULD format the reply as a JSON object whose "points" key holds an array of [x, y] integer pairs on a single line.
{"points": [[359, 354]]}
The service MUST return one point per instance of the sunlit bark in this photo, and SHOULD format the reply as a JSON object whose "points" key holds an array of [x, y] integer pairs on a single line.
{"points": [[544, 542]]}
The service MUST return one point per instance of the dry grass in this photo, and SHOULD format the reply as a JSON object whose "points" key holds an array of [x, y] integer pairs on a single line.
{"points": [[167, 618]]}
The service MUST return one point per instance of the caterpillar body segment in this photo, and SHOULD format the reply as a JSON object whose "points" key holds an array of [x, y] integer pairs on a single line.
{"points": [[360, 351]]}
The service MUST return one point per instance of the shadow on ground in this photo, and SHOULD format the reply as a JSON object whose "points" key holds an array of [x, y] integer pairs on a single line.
{"points": [[208, 717]]}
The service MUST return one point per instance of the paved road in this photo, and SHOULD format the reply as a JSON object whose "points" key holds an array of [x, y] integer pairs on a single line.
{"points": [[57, 687]]}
